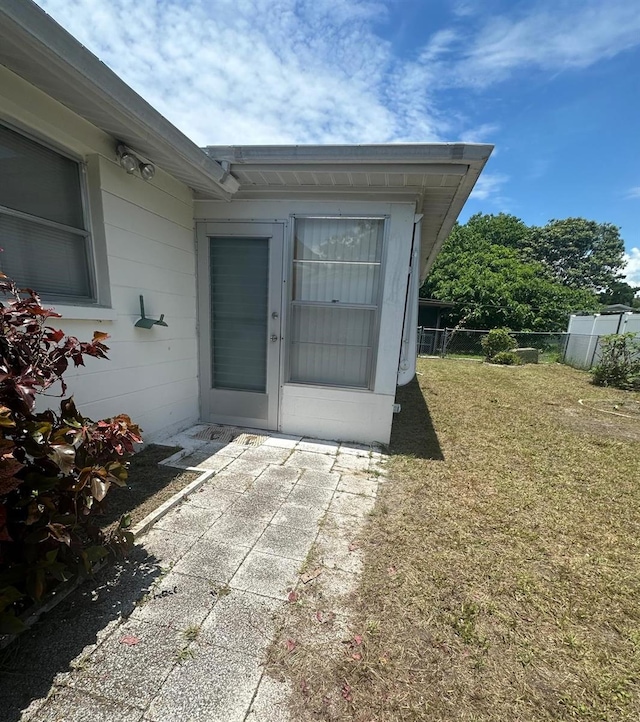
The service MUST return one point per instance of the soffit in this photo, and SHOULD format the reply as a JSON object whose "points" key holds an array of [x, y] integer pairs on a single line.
{"points": [[437, 177]]}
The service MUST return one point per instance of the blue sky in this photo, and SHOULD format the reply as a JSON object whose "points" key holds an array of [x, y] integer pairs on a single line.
{"points": [[554, 84]]}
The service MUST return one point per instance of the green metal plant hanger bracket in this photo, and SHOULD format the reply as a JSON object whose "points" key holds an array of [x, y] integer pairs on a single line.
{"points": [[145, 322]]}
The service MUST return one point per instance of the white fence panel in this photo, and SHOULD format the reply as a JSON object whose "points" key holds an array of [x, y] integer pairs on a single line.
{"points": [[583, 347], [580, 350], [631, 323]]}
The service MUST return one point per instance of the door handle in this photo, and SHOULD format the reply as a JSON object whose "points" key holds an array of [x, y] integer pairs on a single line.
{"points": [[274, 314], [274, 337]]}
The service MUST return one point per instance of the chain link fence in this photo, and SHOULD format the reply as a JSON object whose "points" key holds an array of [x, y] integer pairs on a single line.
{"points": [[582, 351], [466, 343]]}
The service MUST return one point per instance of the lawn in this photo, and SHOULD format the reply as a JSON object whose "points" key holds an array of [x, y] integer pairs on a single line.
{"points": [[501, 578]]}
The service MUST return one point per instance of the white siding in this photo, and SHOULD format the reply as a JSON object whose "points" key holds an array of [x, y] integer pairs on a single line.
{"points": [[148, 232], [337, 414]]}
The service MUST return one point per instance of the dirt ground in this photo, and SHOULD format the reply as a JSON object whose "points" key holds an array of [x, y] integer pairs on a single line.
{"points": [[149, 486]]}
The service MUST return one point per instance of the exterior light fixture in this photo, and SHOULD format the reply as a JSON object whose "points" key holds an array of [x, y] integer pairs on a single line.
{"points": [[132, 161], [129, 162], [147, 171]]}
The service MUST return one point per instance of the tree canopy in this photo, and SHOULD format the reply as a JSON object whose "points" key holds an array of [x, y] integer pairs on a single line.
{"points": [[621, 292], [580, 253], [501, 272]]}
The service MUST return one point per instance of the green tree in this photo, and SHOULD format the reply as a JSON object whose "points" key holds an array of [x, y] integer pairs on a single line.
{"points": [[493, 285], [620, 292], [579, 253], [502, 229]]}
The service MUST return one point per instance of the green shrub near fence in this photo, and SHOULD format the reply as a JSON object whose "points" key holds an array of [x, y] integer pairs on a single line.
{"points": [[467, 343], [619, 363], [498, 340]]}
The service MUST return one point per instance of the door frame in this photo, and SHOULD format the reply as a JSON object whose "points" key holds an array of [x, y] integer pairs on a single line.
{"points": [[268, 411]]}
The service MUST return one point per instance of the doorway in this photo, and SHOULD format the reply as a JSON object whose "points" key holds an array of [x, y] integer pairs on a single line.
{"points": [[240, 282]]}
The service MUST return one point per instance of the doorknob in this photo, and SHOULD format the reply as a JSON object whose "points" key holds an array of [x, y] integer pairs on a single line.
{"points": [[274, 337], [274, 314]]}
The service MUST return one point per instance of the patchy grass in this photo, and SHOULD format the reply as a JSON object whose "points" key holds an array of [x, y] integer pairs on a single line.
{"points": [[191, 633], [502, 561], [148, 486]]}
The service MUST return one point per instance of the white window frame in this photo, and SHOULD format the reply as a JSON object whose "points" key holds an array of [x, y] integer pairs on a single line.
{"points": [[375, 340], [93, 232]]}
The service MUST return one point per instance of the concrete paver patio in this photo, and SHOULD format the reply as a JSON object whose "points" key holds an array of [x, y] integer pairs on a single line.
{"points": [[221, 565]]}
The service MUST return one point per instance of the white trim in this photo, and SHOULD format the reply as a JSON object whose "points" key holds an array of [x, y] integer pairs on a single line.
{"points": [[381, 153], [84, 313]]}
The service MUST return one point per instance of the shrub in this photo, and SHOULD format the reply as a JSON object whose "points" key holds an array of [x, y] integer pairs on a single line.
{"points": [[619, 363], [55, 468], [497, 340], [506, 358]]}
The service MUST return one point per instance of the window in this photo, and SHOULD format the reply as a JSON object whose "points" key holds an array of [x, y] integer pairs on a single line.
{"points": [[43, 231], [335, 295], [239, 312]]}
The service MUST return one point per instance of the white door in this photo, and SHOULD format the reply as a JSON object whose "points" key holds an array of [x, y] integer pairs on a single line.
{"points": [[240, 301]]}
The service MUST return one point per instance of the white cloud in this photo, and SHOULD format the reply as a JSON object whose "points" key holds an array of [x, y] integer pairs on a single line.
{"points": [[318, 71], [464, 8], [257, 71], [481, 134], [489, 186], [548, 36], [632, 270], [633, 192]]}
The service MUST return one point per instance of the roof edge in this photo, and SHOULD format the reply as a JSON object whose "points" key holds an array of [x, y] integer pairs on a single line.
{"points": [[457, 204], [56, 53], [472, 156], [370, 153]]}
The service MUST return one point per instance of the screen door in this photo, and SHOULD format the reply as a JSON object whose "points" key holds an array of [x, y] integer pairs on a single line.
{"points": [[240, 299]]}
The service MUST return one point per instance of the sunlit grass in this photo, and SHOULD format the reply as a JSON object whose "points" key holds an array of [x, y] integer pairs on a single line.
{"points": [[515, 584]]}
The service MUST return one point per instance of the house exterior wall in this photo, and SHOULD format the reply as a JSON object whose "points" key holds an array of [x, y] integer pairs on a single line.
{"points": [[144, 240], [332, 412]]}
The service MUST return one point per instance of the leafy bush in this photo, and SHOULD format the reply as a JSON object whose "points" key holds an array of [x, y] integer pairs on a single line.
{"points": [[497, 340], [55, 468], [506, 358], [619, 363]]}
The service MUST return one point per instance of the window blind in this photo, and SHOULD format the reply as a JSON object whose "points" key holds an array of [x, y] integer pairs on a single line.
{"points": [[45, 245], [336, 282], [50, 260], [36, 180]]}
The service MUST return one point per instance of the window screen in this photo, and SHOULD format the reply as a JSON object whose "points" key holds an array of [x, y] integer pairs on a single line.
{"points": [[42, 227], [336, 283]]}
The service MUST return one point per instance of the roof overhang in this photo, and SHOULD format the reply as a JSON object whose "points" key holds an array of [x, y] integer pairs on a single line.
{"points": [[437, 177], [435, 303], [35, 47]]}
